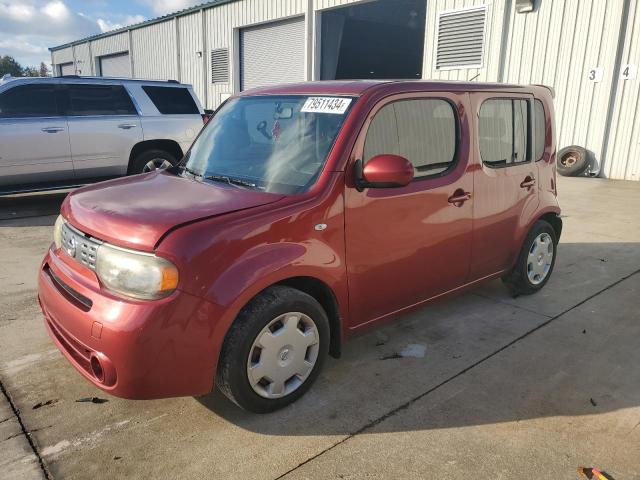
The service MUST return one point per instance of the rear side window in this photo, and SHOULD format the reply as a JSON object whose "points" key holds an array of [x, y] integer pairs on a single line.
{"points": [[29, 101], [99, 100], [422, 130], [504, 132], [172, 100], [540, 129]]}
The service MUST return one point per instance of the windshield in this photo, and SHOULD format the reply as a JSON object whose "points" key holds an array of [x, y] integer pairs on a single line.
{"points": [[276, 144]]}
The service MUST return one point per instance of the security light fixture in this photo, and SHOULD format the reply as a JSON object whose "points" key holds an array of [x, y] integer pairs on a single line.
{"points": [[525, 6]]}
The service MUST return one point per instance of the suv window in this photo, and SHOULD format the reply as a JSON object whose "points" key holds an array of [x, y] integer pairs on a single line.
{"points": [[422, 130], [540, 129], [504, 132], [172, 100], [99, 100], [29, 101]]}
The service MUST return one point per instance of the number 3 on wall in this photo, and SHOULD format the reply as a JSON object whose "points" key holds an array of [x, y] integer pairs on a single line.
{"points": [[629, 72], [596, 74]]}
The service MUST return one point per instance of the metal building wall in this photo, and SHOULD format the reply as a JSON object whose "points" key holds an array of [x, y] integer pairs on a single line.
{"points": [[64, 55], [222, 24], [82, 54], [622, 158], [154, 51], [557, 45], [191, 41], [111, 44], [493, 40]]}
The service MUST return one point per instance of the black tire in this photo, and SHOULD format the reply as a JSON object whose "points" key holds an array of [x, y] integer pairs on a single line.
{"points": [[517, 280], [232, 377], [573, 161], [139, 163]]}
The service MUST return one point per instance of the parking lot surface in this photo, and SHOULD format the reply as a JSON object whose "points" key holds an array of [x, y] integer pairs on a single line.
{"points": [[479, 386]]}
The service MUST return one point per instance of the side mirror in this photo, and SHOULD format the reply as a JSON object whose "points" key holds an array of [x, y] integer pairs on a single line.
{"points": [[384, 171]]}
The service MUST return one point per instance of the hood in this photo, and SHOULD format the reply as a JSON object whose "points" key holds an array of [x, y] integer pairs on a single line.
{"points": [[137, 211]]}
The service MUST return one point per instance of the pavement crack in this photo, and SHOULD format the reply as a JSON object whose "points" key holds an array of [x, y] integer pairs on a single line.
{"points": [[26, 433], [411, 401]]}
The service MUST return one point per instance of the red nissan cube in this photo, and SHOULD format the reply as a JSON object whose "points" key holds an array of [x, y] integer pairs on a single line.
{"points": [[301, 215]]}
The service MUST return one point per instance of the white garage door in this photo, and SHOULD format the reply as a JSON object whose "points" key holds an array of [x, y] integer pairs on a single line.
{"points": [[272, 54], [115, 65], [67, 69]]}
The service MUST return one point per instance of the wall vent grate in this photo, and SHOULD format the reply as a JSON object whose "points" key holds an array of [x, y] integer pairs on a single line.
{"points": [[461, 38], [220, 65]]}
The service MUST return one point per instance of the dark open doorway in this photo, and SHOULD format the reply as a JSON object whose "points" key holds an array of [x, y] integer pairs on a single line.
{"points": [[380, 39]]}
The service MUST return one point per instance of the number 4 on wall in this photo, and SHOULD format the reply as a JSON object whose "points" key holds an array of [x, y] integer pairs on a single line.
{"points": [[629, 72]]}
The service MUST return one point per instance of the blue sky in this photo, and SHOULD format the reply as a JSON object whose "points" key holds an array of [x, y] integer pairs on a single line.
{"points": [[29, 27]]}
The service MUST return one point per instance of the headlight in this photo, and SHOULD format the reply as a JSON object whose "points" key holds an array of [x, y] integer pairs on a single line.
{"points": [[135, 274], [57, 231]]}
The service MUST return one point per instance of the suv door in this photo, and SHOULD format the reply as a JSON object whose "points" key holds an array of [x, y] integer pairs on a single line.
{"points": [[409, 244], [34, 137], [104, 126], [505, 182]]}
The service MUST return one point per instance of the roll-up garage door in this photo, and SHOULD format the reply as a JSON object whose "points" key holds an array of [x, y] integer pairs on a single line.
{"points": [[115, 65], [67, 69], [272, 54]]}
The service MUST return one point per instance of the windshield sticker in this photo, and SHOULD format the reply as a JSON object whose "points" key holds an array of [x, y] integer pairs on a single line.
{"points": [[335, 105]]}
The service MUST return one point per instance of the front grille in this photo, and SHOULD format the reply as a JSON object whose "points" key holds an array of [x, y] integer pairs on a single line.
{"points": [[80, 246]]}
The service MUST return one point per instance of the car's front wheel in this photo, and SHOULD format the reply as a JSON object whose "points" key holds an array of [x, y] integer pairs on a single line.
{"points": [[274, 350]]}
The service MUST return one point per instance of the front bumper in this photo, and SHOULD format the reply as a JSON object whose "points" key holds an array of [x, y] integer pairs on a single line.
{"points": [[130, 349]]}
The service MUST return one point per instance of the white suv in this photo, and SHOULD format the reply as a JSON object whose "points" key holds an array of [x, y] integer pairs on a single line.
{"points": [[69, 131]]}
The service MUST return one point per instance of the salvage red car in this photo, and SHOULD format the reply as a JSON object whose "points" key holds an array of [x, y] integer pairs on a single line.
{"points": [[301, 215]]}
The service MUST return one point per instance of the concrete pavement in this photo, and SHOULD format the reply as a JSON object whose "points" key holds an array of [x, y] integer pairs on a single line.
{"points": [[489, 386]]}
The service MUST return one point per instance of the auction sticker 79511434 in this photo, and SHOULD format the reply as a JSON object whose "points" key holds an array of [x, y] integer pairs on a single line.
{"points": [[335, 105]]}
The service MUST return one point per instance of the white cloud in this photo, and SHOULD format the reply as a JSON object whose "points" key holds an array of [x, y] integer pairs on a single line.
{"points": [[29, 27], [162, 7], [108, 25]]}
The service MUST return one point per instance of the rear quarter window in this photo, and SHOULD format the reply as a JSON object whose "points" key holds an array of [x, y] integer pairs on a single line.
{"points": [[89, 99], [172, 100], [540, 129], [28, 101]]}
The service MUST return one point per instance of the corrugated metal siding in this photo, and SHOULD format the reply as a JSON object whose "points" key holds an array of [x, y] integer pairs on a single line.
{"points": [[154, 51], [622, 159], [191, 42], [83, 59], [493, 40], [556, 46], [324, 4], [62, 56], [109, 45], [221, 23]]}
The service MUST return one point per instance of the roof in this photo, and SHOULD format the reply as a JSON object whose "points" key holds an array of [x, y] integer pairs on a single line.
{"points": [[102, 80], [358, 87], [135, 26]]}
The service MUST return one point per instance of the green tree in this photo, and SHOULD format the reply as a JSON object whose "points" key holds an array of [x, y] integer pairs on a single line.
{"points": [[8, 65], [30, 72]]}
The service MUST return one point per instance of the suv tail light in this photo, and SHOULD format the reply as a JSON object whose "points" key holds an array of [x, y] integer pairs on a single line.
{"points": [[206, 116]]}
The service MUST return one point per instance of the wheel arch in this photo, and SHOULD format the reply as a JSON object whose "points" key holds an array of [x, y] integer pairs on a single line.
{"points": [[167, 145], [327, 299]]}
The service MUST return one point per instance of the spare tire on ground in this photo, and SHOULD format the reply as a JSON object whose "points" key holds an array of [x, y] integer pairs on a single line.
{"points": [[572, 161]]}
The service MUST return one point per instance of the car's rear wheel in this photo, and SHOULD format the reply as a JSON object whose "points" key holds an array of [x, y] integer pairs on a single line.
{"points": [[151, 160], [274, 350], [535, 262]]}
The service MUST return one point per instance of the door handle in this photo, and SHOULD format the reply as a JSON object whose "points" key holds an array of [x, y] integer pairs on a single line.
{"points": [[528, 182], [53, 129], [127, 126], [459, 197]]}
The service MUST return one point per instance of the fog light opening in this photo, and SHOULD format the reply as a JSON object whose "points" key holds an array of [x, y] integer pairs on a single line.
{"points": [[96, 368]]}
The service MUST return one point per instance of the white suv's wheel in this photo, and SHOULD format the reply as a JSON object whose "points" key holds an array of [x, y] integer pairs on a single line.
{"points": [[274, 350], [151, 160]]}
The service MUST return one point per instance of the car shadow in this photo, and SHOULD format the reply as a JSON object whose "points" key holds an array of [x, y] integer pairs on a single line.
{"points": [[489, 358], [32, 209]]}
